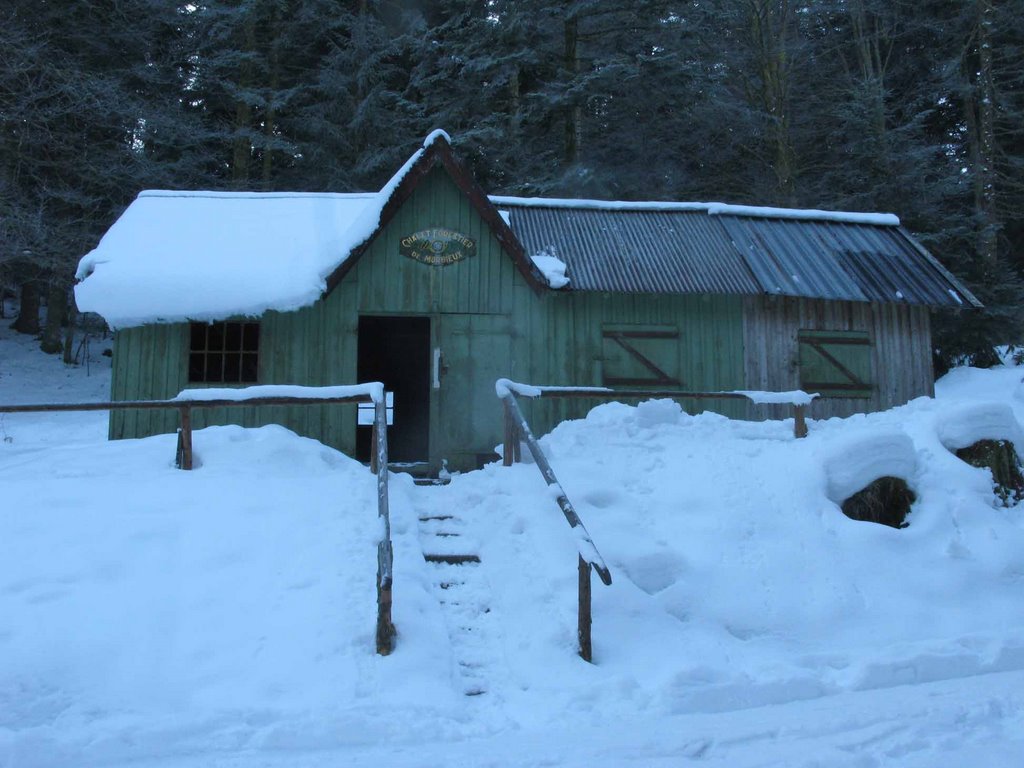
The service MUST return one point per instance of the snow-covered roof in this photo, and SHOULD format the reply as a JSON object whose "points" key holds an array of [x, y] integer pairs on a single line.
{"points": [[206, 255], [712, 209], [175, 256]]}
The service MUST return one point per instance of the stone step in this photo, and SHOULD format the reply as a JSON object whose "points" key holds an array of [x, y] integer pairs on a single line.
{"points": [[451, 559]]}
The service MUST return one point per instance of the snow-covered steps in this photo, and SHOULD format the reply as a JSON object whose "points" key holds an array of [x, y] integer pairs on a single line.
{"points": [[462, 591], [450, 559]]}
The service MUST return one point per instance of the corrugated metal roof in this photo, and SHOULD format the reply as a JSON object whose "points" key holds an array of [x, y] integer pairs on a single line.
{"points": [[661, 250], [636, 251]]}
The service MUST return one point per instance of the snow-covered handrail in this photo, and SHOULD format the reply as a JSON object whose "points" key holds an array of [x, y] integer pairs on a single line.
{"points": [[589, 557], [797, 398]]}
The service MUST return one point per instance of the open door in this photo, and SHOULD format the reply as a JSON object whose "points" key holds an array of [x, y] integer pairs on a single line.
{"points": [[396, 351]]}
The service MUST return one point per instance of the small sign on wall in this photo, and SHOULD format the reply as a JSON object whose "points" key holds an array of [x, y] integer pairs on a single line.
{"points": [[437, 246], [366, 411]]}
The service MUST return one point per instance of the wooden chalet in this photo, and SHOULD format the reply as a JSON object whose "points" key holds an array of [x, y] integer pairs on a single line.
{"points": [[438, 290]]}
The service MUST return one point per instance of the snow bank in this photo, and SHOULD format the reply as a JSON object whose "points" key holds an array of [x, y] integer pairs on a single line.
{"points": [[966, 424], [858, 459], [153, 611], [224, 616]]}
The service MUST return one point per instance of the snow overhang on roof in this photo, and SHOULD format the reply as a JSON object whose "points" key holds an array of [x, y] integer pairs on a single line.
{"points": [[175, 256]]}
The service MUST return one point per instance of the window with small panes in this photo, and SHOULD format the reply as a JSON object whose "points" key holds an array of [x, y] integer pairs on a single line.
{"points": [[224, 353]]}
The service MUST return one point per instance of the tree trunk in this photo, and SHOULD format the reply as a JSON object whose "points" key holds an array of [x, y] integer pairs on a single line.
{"points": [[573, 113], [56, 310], [770, 29], [872, 46], [270, 117], [241, 154], [515, 103], [69, 333], [28, 312], [984, 176]]}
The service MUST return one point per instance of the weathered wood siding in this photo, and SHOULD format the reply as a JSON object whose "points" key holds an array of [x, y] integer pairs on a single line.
{"points": [[489, 323], [901, 358], [564, 345], [317, 345]]}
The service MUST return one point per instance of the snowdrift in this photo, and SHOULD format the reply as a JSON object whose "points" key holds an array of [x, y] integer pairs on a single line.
{"points": [[148, 613]]}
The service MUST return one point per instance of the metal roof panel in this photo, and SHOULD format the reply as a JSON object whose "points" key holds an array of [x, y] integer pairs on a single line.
{"points": [[693, 250]]}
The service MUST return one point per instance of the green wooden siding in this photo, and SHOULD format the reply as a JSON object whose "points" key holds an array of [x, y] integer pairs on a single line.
{"points": [[489, 323], [316, 346], [566, 345]]}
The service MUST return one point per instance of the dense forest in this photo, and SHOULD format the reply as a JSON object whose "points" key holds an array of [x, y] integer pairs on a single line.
{"points": [[909, 106]]}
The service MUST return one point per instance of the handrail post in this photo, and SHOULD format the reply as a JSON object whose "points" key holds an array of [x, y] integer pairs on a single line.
{"points": [[508, 451], [373, 443], [385, 554], [799, 422], [583, 541], [584, 612], [185, 438]]}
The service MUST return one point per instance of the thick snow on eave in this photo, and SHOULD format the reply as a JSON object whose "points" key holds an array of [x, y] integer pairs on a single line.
{"points": [[176, 256], [712, 209]]}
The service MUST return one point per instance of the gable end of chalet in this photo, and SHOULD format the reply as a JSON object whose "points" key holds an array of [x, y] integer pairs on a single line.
{"points": [[437, 153]]}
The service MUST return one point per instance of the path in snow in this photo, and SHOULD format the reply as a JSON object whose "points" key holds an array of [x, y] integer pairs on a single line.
{"points": [[459, 582]]}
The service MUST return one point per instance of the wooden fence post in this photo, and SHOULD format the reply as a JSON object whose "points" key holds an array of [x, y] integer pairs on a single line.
{"points": [[507, 454], [799, 422], [385, 554], [185, 438], [584, 617], [373, 448]]}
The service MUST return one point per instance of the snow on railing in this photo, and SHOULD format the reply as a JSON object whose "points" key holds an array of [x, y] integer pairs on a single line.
{"points": [[275, 394], [515, 426], [797, 398], [517, 430]]}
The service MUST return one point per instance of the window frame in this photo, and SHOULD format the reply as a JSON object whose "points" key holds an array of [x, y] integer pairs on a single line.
{"points": [[233, 346]]}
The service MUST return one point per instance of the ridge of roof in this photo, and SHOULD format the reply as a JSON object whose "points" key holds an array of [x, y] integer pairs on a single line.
{"points": [[712, 209]]}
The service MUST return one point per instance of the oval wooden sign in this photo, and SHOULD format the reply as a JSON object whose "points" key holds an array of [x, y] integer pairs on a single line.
{"points": [[437, 246]]}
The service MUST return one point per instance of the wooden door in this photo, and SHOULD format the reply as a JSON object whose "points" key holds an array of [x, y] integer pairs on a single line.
{"points": [[475, 350]]}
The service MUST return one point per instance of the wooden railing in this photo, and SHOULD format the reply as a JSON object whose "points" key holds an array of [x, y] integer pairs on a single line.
{"points": [[516, 426], [797, 400], [517, 431], [268, 395]]}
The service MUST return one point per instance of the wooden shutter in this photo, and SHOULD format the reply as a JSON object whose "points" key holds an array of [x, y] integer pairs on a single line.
{"points": [[836, 363], [640, 356]]}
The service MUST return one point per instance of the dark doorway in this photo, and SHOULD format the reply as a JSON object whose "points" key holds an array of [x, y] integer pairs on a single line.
{"points": [[396, 351]]}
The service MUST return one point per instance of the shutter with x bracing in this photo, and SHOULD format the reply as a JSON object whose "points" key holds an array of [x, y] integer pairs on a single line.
{"points": [[640, 356], [836, 363]]}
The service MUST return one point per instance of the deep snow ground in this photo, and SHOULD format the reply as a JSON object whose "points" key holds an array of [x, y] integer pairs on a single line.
{"points": [[224, 617]]}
